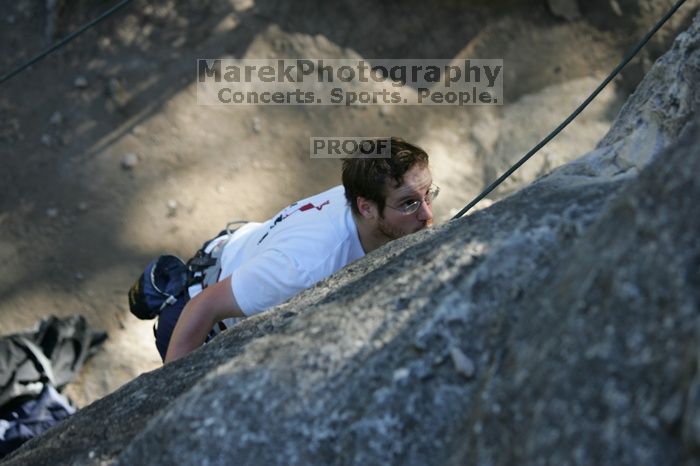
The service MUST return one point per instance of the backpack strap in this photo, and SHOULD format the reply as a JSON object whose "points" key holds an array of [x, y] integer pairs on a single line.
{"points": [[205, 267], [212, 273], [40, 359]]}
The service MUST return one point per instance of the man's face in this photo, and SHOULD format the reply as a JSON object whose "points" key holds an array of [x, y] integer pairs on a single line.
{"points": [[393, 223]]}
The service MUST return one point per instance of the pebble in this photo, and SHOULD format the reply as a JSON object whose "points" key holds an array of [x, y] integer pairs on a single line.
{"points": [[210, 421], [52, 212], [567, 9], [257, 125], [82, 206], [56, 118], [438, 359], [172, 205], [129, 161], [117, 92], [616, 8], [463, 365], [46, 140], [79, 276], [401, 374], [80, 82]]}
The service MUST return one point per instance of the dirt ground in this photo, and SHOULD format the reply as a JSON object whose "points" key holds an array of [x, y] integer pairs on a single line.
{"points": [[107, 160]]}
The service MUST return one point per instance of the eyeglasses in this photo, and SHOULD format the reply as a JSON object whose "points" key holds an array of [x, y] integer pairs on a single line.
{"points": [[411, 206]]}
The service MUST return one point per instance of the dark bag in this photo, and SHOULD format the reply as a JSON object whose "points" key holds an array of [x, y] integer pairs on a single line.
{"points": [[167, 277], [35, 364], [53, 353], [164, 279], [32, 417]]}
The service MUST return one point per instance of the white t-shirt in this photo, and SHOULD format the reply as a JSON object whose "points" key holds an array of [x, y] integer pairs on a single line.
{"points": [[304, 243]]}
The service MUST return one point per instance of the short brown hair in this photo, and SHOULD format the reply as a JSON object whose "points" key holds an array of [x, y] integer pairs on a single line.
{"points": [[369, 177]]}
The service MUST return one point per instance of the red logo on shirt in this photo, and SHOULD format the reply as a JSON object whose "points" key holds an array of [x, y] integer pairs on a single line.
{"points": [[303, 208], [309, 206]]}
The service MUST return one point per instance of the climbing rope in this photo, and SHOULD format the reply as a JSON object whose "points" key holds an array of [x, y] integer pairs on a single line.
{"points": [[576, 112], [64, 41]]}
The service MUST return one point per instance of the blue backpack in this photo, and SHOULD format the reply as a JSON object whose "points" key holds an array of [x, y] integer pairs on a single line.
{"points": [[160, 284], [166, 277]]}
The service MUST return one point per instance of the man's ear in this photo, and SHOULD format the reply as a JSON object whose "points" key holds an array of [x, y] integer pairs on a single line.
{"points": [[367, 208]]}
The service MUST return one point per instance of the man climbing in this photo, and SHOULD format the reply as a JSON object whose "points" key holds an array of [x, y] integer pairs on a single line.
{"points": [[261, 265]]}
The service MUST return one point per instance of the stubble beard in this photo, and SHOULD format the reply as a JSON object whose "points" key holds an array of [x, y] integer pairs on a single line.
{"points": [[391, 233]]}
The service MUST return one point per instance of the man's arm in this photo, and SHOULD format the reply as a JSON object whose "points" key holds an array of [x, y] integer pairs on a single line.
{"points": [[214, 303]]}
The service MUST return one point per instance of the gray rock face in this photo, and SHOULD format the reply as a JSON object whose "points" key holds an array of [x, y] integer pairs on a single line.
{"points": [[558, 326]]}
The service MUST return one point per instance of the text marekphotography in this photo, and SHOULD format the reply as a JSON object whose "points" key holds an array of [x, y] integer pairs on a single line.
{"points": [[349, 82]]}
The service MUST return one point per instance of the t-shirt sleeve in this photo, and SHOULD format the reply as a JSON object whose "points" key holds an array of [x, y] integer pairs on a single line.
{"points": [[267, 280]]}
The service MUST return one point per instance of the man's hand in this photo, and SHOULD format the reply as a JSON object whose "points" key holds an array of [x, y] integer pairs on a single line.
{"points": [[213, 304]]}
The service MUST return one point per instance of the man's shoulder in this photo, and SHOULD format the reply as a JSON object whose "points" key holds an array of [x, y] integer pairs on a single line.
{"points": [[316, 225], [316, 228], [330, 199], [325, 210]]}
